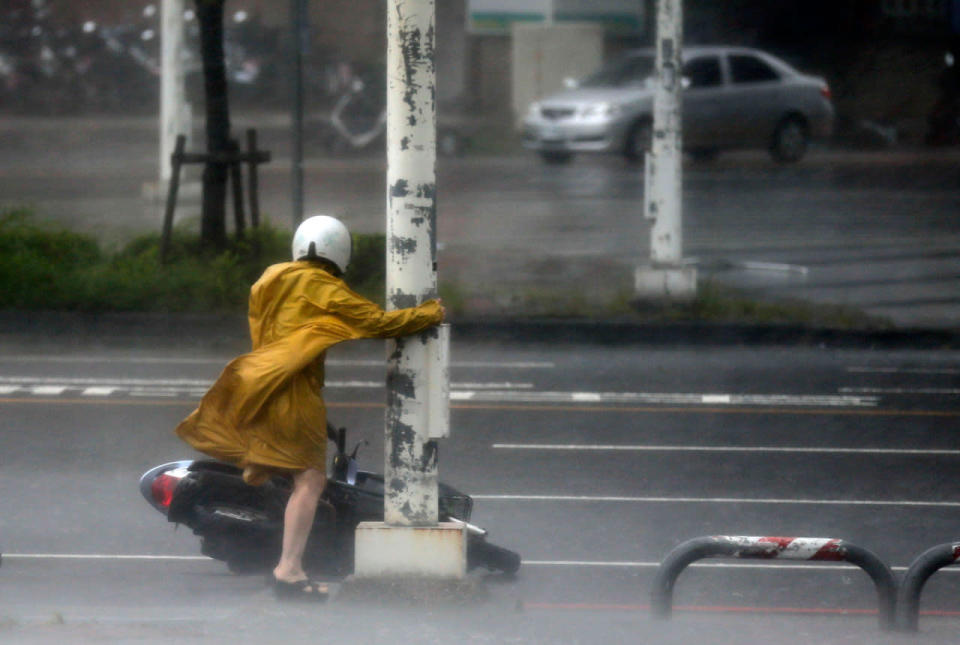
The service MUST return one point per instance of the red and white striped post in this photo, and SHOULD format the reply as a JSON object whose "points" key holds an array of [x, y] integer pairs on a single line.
{"points": [[773, 548]]}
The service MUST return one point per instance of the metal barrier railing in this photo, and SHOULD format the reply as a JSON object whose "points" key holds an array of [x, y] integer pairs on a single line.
{"points": [[770, 548], [926, 564]]}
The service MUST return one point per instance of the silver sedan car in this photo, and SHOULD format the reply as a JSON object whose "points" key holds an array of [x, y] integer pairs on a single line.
{"points": [[733, 97]]}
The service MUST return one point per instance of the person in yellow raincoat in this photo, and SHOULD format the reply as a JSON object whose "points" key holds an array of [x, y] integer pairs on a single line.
{"points": [[265, 412]]}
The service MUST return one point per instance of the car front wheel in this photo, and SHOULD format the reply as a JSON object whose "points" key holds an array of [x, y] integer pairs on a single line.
{"points": [[790, 141]]}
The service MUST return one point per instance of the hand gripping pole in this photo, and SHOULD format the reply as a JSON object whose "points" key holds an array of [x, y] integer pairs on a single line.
{"points": [[773, 548], [926, 564]]}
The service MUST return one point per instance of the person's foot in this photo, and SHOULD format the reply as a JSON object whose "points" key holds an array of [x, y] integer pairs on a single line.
{"points": [[304, 589]]}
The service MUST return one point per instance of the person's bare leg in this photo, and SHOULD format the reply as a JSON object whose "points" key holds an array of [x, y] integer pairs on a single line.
{"points": [[297, 521]]}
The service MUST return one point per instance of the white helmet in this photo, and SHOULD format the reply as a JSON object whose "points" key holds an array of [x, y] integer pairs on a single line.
{"points": [[322, 236]]}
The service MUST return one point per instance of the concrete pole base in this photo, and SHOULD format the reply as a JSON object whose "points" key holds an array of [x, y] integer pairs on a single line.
{"points": [[666, 283], [427, 552]]}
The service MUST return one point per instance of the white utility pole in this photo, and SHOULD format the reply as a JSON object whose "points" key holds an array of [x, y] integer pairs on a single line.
{"points": [[666, 276], [410, 541], [175, 114], [411, 468]]}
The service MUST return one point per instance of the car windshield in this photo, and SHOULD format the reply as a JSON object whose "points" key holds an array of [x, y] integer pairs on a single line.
{"points": [[634, 70]]}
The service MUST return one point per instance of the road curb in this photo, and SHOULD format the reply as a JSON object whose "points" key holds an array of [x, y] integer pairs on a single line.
{"points": [[229, 331]]}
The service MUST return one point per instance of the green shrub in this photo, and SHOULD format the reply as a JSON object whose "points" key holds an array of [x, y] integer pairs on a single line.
{"points": [[61, 270], [38, 266]]}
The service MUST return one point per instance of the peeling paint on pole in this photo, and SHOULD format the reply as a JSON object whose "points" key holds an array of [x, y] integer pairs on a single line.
{"points": [[666, 276], [411, 457], [664, 187]]}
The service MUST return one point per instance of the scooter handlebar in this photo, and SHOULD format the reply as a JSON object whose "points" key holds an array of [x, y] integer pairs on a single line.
{"points": [[338, 437]]}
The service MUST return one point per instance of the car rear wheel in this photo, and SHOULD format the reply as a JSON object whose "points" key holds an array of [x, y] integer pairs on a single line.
{"points": [[639, 141], [790, 140], [554, 157]]}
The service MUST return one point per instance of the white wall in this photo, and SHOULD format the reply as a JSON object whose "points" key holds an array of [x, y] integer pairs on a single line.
{"points": [[543, 56]]}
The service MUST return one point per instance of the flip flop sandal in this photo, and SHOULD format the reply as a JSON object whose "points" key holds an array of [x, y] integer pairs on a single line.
{"points": [[308, 590]]}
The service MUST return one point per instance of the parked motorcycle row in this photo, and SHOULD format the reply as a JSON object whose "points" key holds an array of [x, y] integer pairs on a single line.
{"points": [[50, 67]]}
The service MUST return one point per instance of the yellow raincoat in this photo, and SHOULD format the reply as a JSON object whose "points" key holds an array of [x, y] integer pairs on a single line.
{"points": [[265, 412]]}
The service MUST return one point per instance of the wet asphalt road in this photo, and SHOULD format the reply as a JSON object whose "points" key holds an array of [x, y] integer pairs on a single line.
{"points": [[591, 461], [874, 230]]}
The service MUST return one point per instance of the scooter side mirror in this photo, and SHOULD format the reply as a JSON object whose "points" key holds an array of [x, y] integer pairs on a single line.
{"points": [[338, 437], [356, 448]]}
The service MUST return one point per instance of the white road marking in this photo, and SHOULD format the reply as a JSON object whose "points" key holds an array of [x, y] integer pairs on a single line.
{"points": [[495, 392], [99, 390], [143, 387], [585, 397], [369, 385], [165, 392], [48, 390], [521, 365], [902, 370], [747, 449], [507, 385], [711, 500], [117, 382], [94, 556], [105, 360], [900, 390], [716, 398], [667, 398]]}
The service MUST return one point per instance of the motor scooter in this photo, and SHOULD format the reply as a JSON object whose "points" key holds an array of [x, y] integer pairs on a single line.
{"points": [[242, 525]]}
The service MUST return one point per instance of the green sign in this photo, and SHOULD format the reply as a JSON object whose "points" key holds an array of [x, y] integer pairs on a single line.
{"points": [[496, 16]]}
